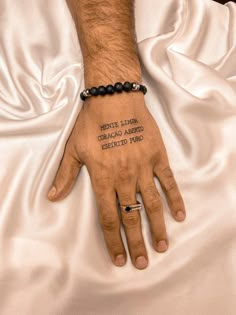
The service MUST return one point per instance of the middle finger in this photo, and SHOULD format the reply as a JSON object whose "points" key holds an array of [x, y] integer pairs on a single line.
{"points": [[154, 209], [132, 225]]}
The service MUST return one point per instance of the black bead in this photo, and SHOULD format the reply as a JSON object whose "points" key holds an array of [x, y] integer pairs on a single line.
{"points": [[127, 86], [110, 89], [83, 98], [143, 89], [127, 208], [101, 90], [118, 87], [94, 91]]}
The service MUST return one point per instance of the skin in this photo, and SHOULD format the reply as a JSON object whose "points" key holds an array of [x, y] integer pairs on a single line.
{"points": [[118, 170]]}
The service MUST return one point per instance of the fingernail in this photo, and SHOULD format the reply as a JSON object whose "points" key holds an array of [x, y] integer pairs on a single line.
{"points": [[162, 246], [180, 215], [120, 260], [141, 262], [52, 192]]}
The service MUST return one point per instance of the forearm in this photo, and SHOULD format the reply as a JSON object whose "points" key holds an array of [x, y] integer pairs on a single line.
{"points": [[106, 32]]}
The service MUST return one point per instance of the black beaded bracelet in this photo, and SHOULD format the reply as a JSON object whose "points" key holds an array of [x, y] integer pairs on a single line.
{"points": [[110, 89]]}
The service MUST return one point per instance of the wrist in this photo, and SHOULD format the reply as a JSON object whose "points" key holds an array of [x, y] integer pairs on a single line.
{"points": [[110, 67], [110, 89], [118, 103], [95, 79]]}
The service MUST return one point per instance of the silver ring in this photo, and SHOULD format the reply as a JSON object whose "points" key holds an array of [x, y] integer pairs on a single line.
{"points": [[129, 208]]}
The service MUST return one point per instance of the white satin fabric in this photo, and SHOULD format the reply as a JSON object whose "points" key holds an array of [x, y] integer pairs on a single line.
{"points": [[53, 259]]}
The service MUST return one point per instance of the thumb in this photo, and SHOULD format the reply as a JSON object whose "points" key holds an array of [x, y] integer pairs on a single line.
{"points": [[65, 178]]}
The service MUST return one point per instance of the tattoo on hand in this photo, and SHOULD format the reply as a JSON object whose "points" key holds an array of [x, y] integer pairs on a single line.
{"points": [[118, 133]]}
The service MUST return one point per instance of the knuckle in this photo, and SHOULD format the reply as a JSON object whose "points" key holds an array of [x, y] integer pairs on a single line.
{"points": [[124, 173], [124, 170], [170, 184], [137, 244], [152, 199], [114, 245], [149, 191], [103, 204], [131, 219], [101, 181], [75, 164], [154, 205], [109, 222], [102, 164], [168, 175], [167, 172], [70, 154]]}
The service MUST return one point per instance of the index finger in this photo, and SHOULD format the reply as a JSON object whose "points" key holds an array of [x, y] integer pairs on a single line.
{"points": [[110, 220]]}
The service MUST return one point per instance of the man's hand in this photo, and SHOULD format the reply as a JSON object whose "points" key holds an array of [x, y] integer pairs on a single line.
{"points": [[119, 142], [115, 136]]}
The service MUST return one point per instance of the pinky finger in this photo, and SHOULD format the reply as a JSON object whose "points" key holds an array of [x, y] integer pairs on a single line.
{"points": [[172, 193]]}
